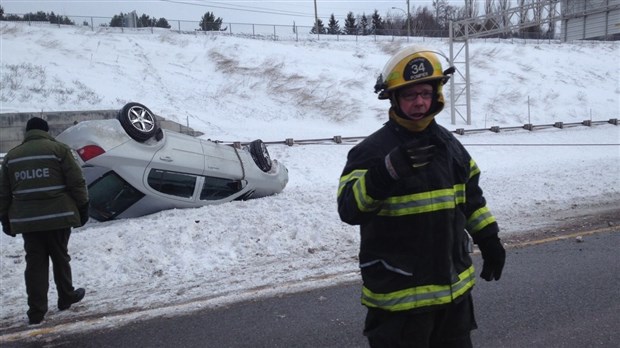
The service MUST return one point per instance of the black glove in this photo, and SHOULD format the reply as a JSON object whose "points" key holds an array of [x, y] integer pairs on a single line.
{"points": [[404, 160], [6, 226], [493, 256], [83, 210]]}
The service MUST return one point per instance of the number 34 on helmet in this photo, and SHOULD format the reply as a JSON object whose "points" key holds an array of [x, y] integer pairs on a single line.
{"points": [[411, 65]]}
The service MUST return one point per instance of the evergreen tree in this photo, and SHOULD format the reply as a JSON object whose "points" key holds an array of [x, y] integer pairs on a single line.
{"points": [[210, 23], [117, 20], [13, 17], [145, 21], [162, 23], [1, 13], [39, 16], [364, 24], [350, 27], [54, 19], [333, 27], [376, 24], [318, 25]]}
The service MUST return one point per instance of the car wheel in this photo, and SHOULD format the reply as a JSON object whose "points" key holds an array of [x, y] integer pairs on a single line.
{"points": [[260, 155], [138, 121]]}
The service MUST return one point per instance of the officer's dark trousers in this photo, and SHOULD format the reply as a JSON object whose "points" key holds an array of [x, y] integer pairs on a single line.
{"points": [[448, 327], [40, 247]]}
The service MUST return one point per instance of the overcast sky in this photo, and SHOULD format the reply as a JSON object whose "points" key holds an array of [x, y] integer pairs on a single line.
{"points": [[283, 12]]}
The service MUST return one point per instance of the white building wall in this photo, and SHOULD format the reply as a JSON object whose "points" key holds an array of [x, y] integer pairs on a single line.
{"points": [[590, 19]]}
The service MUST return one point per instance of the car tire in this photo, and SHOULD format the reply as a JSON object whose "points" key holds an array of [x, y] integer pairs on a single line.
{"points": [[260, 155], [138, 121]]}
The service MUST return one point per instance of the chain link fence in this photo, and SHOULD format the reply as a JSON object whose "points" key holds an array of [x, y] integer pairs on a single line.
{"points": [[275, 32]]}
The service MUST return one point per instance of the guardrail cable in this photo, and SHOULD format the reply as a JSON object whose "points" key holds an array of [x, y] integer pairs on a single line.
{"points": [[337, 139]]}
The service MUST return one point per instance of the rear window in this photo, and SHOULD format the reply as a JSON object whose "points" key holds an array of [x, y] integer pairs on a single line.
{"points": [[110, 195], [218, 188]]}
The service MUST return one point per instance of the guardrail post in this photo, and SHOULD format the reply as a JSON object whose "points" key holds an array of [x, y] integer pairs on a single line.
{"points": [[337, 139], [587, 123], [559, 125], [289, 141], [495, 129], [528, 126], [613, 121]]}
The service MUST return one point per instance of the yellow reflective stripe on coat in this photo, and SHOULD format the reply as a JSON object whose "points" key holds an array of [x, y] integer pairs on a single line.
{"points": [[354, 175], [480, 219], [364, 202], [473, 168], [424, 202], [402, 205], [420, 296]]}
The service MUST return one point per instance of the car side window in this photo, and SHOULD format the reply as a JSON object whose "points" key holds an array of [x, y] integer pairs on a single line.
{"points": [[110, 195], [219, 188], [172, 183]]}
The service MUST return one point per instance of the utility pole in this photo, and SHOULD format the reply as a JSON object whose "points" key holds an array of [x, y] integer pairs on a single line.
{"points": [[408, 14], [408, 21], [316, 19]]}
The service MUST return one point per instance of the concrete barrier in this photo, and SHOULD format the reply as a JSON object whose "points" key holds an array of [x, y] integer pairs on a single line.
{"points": [[13, 125]]}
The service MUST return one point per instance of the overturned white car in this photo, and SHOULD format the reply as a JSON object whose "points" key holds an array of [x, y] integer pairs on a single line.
{"points": [[133, 167]]}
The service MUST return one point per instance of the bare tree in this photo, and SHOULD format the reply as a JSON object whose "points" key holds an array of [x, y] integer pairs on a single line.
{"points": [[537, 14], [470, 9], [552, 23], [489, 7], [502, 7], [425, 23], [523, 12], [443, 13]]}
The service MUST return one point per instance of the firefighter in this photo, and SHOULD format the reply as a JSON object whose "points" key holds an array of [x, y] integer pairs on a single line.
{"points": [[414, 191]]}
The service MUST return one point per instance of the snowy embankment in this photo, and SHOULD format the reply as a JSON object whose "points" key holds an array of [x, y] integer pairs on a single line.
{"points": [[241, 89]]}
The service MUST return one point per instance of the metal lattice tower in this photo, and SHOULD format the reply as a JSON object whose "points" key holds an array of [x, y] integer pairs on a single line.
{"points": [[504, 22]]}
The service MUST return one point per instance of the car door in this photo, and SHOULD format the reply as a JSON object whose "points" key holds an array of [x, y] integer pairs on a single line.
{"points": [[178, 163], [222, 161], [181, 153]]}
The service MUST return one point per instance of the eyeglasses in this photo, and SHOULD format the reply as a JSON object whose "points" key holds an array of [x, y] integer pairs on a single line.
{"points": [[412, 96]]}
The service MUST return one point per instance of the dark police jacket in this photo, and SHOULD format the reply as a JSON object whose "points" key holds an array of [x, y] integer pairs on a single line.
{"points": [[41, 185], [414, 252]]}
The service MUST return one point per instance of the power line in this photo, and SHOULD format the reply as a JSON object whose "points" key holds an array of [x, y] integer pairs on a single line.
{"points": [[252, 9], [265, 10]]}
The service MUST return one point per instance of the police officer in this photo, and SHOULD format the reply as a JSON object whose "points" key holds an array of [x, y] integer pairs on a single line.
{"points": [[42, 195], [413, 190]]}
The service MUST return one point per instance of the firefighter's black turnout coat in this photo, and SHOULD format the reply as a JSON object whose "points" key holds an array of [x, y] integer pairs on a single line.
{"points": [[415, 249]]}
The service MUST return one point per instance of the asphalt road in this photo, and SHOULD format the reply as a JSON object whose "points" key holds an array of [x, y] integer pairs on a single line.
{"points": [[553, 293]]}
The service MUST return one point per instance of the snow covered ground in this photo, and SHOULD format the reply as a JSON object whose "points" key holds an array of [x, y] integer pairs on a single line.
{"points": [[241, 89]]}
